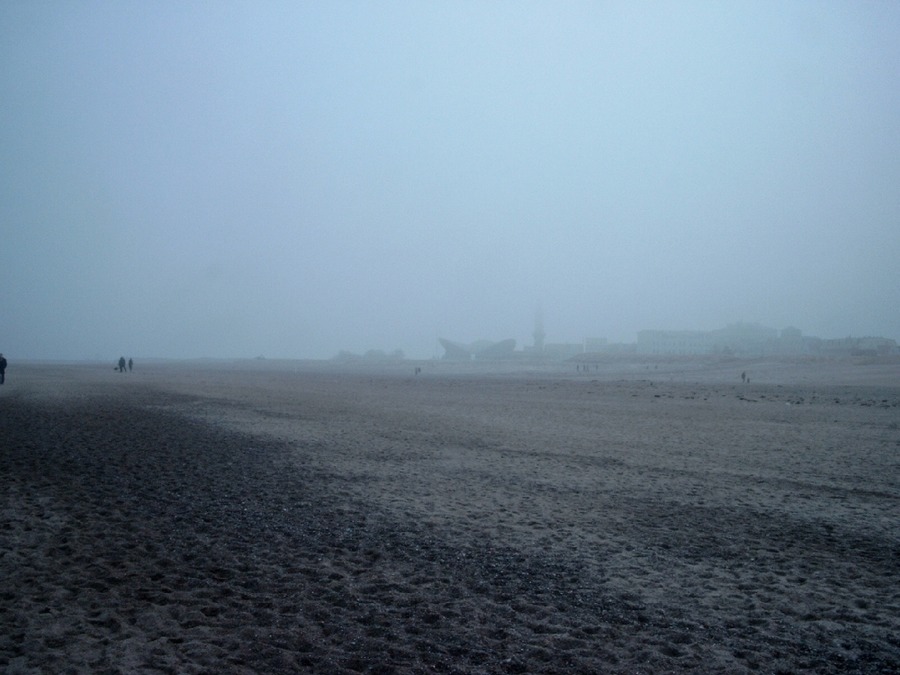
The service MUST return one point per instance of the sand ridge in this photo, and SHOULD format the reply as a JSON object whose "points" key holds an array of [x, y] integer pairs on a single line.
{"points": [[271, 520]]}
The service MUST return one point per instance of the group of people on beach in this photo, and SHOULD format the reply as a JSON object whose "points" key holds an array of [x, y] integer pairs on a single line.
{"points": [[121, 366]]}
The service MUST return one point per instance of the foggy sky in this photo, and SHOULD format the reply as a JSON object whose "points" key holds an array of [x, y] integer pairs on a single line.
{"points": [[293, 179]]}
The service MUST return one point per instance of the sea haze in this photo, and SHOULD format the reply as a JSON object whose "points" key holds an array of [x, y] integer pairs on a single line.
{"points": [[297, 179]]}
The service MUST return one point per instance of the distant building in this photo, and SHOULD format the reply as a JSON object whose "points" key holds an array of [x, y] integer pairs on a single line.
{"points": [[746, 339], [861, 346], [483, 350], [742, 340], [674, 342], [738, 339], [539, 334], [751, 339], [595, 345], [560, 351]]}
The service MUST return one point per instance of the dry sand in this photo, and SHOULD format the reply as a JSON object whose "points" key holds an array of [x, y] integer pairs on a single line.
{"points": [[277, 518]]}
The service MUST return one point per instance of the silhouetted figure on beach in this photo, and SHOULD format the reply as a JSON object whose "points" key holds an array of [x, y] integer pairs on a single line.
{"points": [[121, 364], [744, 376], [130, 365], [2, 369]]}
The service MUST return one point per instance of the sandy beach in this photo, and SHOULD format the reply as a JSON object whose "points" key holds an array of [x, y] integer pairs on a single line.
{"points": [[257, 517]]}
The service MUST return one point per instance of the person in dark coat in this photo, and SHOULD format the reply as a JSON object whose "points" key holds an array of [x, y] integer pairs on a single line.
{"points": [[121, 364], [2, 369]]}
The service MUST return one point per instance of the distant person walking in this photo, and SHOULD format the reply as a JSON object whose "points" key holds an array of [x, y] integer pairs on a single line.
{"points": [[130, 365], [2, 369], [121, 364]]}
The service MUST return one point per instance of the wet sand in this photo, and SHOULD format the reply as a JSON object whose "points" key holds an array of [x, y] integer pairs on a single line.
{"points": [[281, 517]]}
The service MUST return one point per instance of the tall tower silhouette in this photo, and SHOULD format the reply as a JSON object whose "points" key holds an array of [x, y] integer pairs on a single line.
{"points": [[539, 331]]}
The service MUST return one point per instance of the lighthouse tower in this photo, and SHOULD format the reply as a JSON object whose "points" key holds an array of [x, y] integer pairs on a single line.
{"points": [[539, 331]]}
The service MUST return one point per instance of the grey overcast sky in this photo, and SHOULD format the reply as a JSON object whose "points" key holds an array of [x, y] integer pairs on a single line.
{"points": [[292, 179]]}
